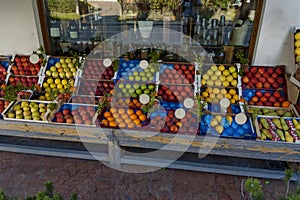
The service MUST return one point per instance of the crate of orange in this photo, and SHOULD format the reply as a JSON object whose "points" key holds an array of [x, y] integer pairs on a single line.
{"points": [[126, 102], [122, 118]]}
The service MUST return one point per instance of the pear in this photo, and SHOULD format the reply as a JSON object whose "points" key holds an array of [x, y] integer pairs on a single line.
{"points": [[17, 107], [11, 114], [19, 112], [27, 113]]}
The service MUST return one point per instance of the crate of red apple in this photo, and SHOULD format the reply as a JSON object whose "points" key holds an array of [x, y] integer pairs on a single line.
{"points": [[175, 92], [95, 87], [26, 81], [177, 73], [3, 105], [261, 97], [95, 69], [75, 114], [262, 77], [4, 65], [22, 66]]}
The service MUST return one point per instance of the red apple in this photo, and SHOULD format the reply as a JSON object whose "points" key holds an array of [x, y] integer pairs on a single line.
{"points": [[262, 79], [253, 70], [258, 85], [267, 94], [267, 85], [258, 94], [271, 80], [272, 99], [245, 79], [261, 70], [280, 80], [276, 94], [275, 85], [270, 70]]}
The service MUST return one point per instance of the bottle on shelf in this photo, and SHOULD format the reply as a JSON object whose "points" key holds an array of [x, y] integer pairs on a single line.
{"points": [[221, 30], [197, 28], [203, 35], [73, 31]]}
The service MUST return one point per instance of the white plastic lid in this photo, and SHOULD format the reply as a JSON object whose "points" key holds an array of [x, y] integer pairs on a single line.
{"points": [[224, 103], [107, 62], [188, 103], [144, 64], [34, 58], [180, 113], [241, 118], [144, 98]]}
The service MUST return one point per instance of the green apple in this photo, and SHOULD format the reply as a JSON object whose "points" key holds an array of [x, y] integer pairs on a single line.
{"points": [[68, 60], [135, 73], [53, 68], [73, 69], [136, 86], [147, 91], [143, 87], [64, 65], [24, 104], [11, 114], [62, 60], [55, 74], [70, 65], [131, 78], [62, 74], [144, 78], [69, 74], [147, 69], [128, 86], [139, 91], [151, 87], [138, 78], [58, 65], [134, 95], [149, 74], [66, 69], [121, 85], [152, 70], [126, 95], [131, 90], [124, 90], [142, 73]]}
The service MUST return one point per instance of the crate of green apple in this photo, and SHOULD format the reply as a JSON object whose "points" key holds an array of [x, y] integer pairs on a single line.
{"points": [[62, 67], [75, 114], [95, 87], [264, 77], [22, 66], [27, 110], [132, 70], [274, 98], [284, 129], [221, 75], [128, 89], [177, 73], [95, 69]]}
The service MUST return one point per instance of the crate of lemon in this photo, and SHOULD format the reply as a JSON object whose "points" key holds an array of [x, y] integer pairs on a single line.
{"points": [[296, 42]]}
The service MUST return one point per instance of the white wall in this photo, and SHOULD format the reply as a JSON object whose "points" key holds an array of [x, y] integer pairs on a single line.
{"points": [[275, 45], [19, 32]]}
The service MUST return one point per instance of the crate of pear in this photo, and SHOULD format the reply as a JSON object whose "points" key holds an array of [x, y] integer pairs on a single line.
{"points": [[215, 94], [27, 110], [62, 67], [220, 76]]}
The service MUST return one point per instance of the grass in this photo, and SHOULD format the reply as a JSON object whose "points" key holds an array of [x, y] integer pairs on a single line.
{"points": [[64, 16]]}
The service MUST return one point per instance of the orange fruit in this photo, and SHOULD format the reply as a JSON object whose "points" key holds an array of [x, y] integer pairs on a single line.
{"points": [[125, 116], [127, 101], [119, 120], [133, 116], [131, 125], [110, 119], [106, 114], [131, 104], [104, 122], [128, 121], [130, 111], [135, 101], [137, 121], [113, 110], [139, 104], [112, 124], [139, 112], [116, 115], [142, 117], [121, 111], [122, 125], [286, 104]]}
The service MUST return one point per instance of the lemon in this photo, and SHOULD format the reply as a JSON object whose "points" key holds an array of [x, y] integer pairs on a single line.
{"points": [[218, 73], [232, 92], [59, 86], [218, 83], [225, 83], [218, 118], [220, 96], [52, 85], [64, 82], [234, 74], [214, 68], [205, 94], [210, 82], [236, 97], [297, 36], [57, 81], [223, 78], [203, 82], [297, 51], [226, 72], [228, 96], [214, 77], [223, 91], [232, 69], [216, 90], [232, 101], [208, 100], [205, 77], [45, 84], [62, 60], [62, 90], [219, 129], [234, 83], [215, 100], [42, 98], [48, 89], [297, 58], [50, 80], [209, 72], [214, 122], [229, 78], [221, 68], [209, 90], [297, 43], [47, 94]]}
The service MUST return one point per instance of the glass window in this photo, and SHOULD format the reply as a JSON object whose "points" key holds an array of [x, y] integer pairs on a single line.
{"points": [[79, 25]]}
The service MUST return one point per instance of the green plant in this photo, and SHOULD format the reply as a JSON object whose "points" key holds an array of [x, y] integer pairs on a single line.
{"points": [[11, 92], [2, 195], [103, 102], [287, 180], [254, 189]]}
